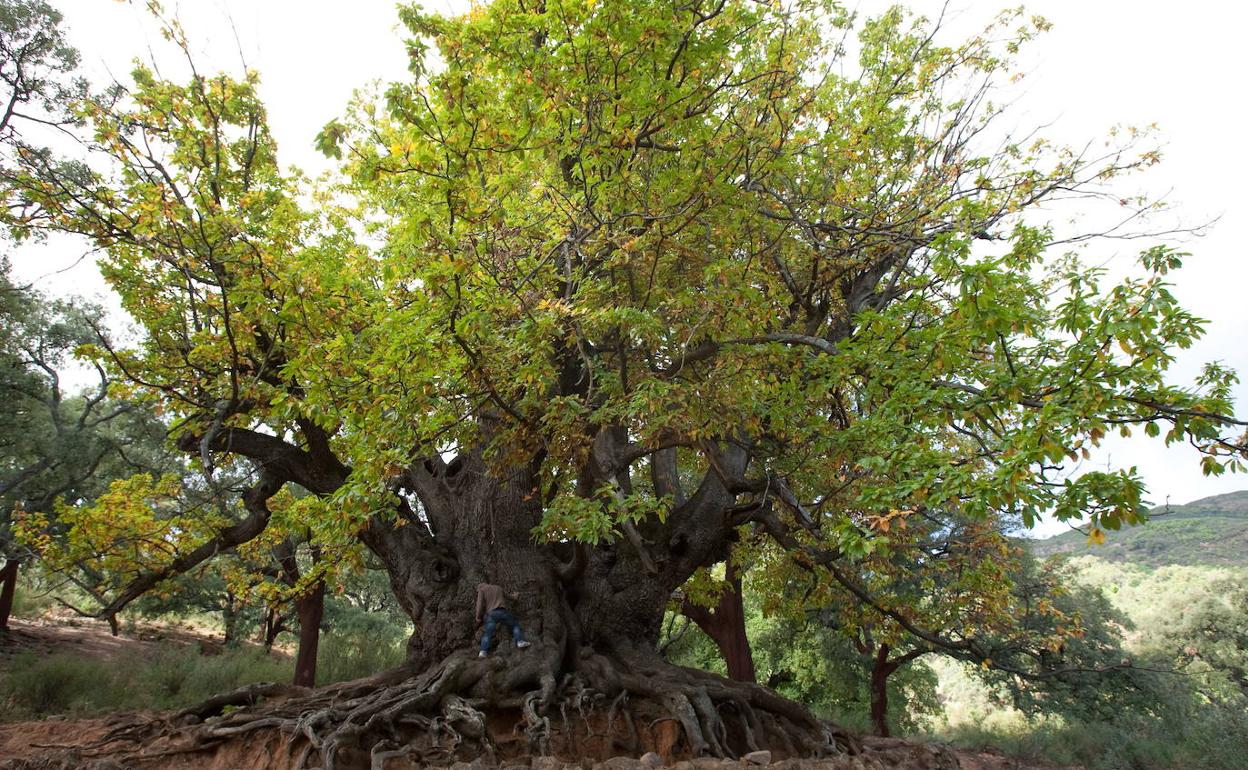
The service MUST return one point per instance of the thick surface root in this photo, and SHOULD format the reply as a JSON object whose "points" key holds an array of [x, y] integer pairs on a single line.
{"points": [[498, 710]]}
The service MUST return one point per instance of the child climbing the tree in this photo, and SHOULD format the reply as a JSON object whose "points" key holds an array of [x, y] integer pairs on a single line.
{"points": [[491, 606]]}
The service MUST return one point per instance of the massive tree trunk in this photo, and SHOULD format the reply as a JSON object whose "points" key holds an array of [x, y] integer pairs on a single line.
{"points": [[8, 585], [476, 525]]}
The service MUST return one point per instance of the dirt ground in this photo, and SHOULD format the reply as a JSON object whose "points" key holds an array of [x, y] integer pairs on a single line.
{"points": [[47, 739], [91, 638]]}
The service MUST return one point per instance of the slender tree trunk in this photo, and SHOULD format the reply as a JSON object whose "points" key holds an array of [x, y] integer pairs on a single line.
{"points": [[725, 624], [273, 625], [229, 619], [881, 667], [8, 585], [310, 608]]}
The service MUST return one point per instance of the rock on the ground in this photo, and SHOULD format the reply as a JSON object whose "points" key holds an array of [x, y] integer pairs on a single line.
{"points": [[622, 763], [651, 760], [757, 758], [547, 763]]}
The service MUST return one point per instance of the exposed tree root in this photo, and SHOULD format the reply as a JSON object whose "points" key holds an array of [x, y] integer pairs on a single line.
{"points": [[497, 709]]}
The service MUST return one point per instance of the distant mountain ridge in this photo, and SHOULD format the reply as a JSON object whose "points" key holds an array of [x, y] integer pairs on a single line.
{"points": [[1212, 531]]}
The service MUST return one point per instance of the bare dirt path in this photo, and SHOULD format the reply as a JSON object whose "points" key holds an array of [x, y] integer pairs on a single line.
{"points": [[91, 639]]}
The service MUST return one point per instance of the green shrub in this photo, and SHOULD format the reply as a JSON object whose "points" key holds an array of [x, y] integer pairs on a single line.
{"points": [[33, 687], [56, 684], [29, 602], [175, 677], [232, 669], [178, 677], [164, 676], [1207, 737], [345, 656]]}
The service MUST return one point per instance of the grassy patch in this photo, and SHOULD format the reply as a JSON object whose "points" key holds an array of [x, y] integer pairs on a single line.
{"points": [[342, 657], [35, 687], [29, 601], [1214, 739]]}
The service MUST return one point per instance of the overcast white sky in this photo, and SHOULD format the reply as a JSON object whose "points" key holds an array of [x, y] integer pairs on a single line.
{"points": [[1105, 62]]}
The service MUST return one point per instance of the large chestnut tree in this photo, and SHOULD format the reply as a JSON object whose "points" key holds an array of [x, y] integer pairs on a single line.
{"points": [[602, 285]]}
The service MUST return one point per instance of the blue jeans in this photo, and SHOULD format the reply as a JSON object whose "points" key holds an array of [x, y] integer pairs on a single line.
{"points": [[492, 619]]}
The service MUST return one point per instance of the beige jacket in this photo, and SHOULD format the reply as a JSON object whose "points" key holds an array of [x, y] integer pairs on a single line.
{"points": [[489, 598]]}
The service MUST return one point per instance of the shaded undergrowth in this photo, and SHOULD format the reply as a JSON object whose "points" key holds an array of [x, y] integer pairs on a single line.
{"points": [[36, 686], [1215, 739]]}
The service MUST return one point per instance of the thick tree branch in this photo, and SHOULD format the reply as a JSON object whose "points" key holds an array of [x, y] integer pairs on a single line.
{"points": [[270, 453]]}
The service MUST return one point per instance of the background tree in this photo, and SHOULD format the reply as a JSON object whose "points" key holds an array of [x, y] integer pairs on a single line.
{"points": [[143, 526], [37, 70], [811, 662], [817, 663], [1208, 640], [58, 444], [724, 622], [621, 247], [53, 442], [939, 586], [206, 591]]}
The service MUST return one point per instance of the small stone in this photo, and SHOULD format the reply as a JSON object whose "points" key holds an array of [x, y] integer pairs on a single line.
{"points": [[757, 758], [683, 764], [651, 760], [623, 763], [547, 763]]}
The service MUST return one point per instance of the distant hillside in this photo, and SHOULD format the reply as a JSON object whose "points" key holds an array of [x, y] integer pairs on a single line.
{"points": [[1210, 531]]}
